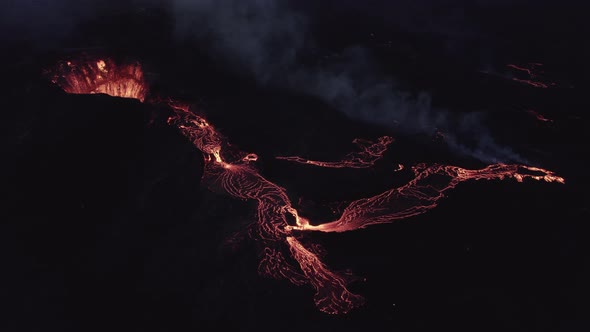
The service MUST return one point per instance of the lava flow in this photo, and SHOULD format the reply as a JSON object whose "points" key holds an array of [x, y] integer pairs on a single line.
{"points": [[239, 179], [538, 116], [234, 172], [533, 72], [421, 194], [370, 153]]}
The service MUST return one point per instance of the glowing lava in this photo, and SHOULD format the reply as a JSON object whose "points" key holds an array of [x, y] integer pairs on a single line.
{"points": [[101, 76], [533, 72], [421, 194], [538, 116], [370, 153], [234, 172], [241, 180]]}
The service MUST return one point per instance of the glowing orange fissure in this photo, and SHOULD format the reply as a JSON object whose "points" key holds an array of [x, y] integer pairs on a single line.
{"points": [[234, 172]]}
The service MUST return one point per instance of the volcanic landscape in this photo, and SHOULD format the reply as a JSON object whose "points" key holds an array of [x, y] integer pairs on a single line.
{"points": [[281, 165]]}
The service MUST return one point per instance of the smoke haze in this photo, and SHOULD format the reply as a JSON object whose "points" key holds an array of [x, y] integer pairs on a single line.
{"points": [[266, 39]]}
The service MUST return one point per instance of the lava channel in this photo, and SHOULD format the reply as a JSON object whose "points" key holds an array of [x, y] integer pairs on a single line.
{"points": [[235, 173]]}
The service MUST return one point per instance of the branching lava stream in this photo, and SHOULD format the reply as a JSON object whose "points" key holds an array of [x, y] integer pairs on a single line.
{"points": [[370, 153], [234, 172]]}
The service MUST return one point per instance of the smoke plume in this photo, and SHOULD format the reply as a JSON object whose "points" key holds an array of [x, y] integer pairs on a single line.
{"points": [[266, 39]]}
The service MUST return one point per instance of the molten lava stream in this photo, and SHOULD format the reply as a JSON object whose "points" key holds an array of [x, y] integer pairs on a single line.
{"points": [[234, 173], [421, 194], [243, 181], [538, 116], [370, 153], [533, 73]]}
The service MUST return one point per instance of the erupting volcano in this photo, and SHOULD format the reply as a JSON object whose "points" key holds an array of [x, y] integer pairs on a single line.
{"points": [[235, 172], [99, 75]]}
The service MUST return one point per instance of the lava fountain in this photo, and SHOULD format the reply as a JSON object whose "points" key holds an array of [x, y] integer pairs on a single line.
{"points": [[235, 173]]}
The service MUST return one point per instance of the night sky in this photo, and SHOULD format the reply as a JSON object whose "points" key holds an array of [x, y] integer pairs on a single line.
{"points": [[107, 226]]}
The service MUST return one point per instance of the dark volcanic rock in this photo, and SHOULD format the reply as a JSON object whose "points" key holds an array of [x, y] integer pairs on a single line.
{"points": [[92, 184]]}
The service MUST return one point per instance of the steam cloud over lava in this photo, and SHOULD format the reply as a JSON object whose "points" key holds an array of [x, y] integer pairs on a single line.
{"points": [[284, 256]]}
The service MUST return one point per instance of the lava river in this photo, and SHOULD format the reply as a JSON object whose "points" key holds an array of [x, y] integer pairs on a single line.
{"points": [[234, 172]]}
